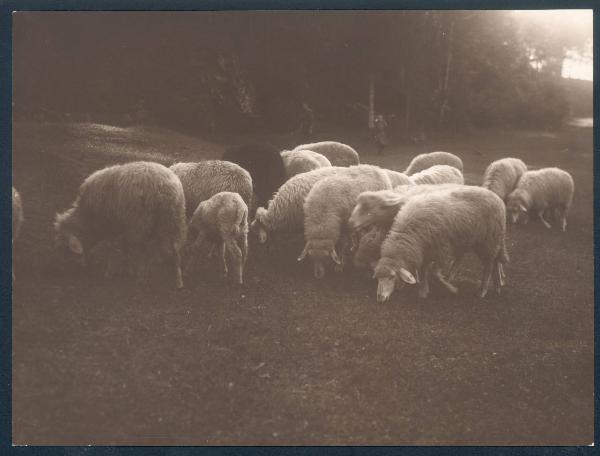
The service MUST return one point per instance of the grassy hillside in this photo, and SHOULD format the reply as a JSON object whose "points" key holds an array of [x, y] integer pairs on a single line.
{"points": [[286, 359]]}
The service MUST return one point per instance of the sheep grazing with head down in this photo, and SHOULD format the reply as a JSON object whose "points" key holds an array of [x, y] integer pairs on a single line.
{"points": [[285, 211], [138, 204], [265, 165], [438, 174], [337, 153], [17, 217], [223, 220], [541, 193], [302, 161], [327, 208], [502, 176], [368, 251], [380, 207], [434, 227], [424, 161], [204, 179]]}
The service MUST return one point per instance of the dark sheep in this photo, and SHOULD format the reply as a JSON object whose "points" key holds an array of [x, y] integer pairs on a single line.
{"points": [[265, 165]]}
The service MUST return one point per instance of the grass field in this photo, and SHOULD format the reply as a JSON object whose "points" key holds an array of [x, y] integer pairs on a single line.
{"points": [[286, 359]]}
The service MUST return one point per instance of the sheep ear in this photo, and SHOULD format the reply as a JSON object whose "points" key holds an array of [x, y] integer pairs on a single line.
{"points": [[391, 200], [303, 254], [75, 245], [407, 276], [523, 208], [334, 257]]}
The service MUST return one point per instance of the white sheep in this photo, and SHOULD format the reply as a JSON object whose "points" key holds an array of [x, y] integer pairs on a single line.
{"points": [[285, 211], [368, 251], [138, 204], [204, 179], [380, 207], [223, 220], [424, 161], [327, 209], [502, 176], [337, 153], [547, 190], [302, 161], [434, 227], [397, 178], [17, 218], [438, 174]]}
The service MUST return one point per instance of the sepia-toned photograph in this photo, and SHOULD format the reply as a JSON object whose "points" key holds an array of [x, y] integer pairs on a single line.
{"points": [[302, 227]]}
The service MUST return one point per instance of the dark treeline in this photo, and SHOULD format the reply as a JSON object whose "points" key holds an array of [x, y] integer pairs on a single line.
{"points": [[234, 71]]}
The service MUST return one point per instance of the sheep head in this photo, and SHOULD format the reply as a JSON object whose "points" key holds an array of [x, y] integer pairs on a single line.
{"points": [[319, 252]]}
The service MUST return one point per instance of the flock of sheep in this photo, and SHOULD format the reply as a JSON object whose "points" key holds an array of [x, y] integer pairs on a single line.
{"points": [[401, 227]]}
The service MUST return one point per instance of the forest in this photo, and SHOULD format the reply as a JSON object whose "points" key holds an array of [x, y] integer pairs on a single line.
{"points": [[246, 71]]}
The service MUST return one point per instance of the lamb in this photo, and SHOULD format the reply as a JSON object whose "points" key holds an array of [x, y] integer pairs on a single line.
{"points": [[438, 174], [265, 165], [327, 208], [502, 176], [398, 178], [285, 210], [547, 190], [223, 219], [339, 154], [17, 217], [140, 205], [436, 226], [424, 161], [302, 161], [204, 179]]}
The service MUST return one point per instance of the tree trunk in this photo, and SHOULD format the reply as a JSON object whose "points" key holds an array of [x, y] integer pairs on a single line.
{"points": [[444, 91], [371, 102]]}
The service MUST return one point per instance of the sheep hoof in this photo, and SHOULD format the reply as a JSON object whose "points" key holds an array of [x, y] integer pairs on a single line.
{"points": [[338, 268], [423, 294], [483, 294]]}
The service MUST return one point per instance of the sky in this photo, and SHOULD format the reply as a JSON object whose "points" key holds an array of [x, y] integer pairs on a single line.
{"points": [[574, 66]]}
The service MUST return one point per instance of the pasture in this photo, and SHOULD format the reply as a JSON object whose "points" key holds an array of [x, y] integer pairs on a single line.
{"points": [[286, 359]]}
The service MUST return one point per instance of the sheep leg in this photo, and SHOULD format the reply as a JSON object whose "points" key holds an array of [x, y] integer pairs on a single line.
{"points": [[424, 283], [223, 247], [563, 218], [497, 277], [234, 251], [540, 215], [193, 250], [454, 268], [485, 278], [446, 283], [243, 244], [177, 262]]}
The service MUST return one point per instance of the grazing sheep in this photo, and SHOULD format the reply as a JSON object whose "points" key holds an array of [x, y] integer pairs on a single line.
{"points": [[337, 153], [204, 179], [424, 161], [438, 174], [547, 189], [285, 211], [17, 218], [327, 208], [223, 219], [502, 176], [302, 161], [380, 207], [398, 178], [265, 165], [139, 204], [432, 228]]}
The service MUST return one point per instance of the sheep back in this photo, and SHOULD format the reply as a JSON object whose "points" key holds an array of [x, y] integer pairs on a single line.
{"points": [[438, 174], [427, 160], [202, 180], [302, 161], [397, 178], [502, 176], [337, 153]]}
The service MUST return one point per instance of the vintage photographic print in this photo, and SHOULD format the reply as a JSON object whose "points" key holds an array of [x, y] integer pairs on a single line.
{"points": [[343, 227]]}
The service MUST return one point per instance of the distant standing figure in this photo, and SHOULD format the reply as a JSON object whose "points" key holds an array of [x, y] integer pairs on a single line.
{"points": [[379, 134], [307, 120]]}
